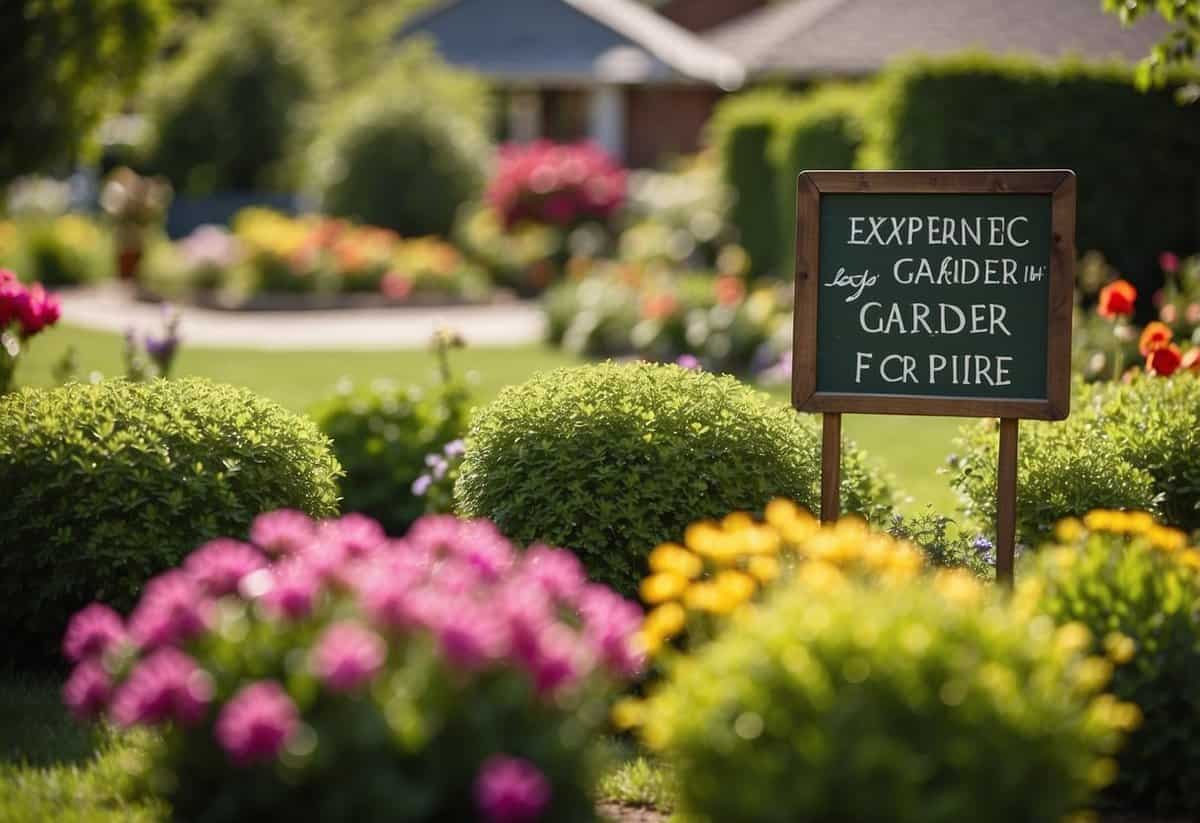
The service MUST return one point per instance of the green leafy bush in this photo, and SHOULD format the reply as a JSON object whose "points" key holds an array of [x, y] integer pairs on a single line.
{"points": [[742, 129], [912, 702], [820, 130], [1136, 587], [928, 116], [610, 460], [1129, 445], [945, 544], [225, 111], [407, 161], [106, 485], [381, 435]]}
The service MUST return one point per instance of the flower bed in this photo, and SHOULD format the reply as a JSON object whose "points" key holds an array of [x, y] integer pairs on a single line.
{"points": [[328, 672], [272, 260]]}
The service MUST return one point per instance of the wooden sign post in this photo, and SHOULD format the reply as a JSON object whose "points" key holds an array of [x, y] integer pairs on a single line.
{"points": [[934, 292]]}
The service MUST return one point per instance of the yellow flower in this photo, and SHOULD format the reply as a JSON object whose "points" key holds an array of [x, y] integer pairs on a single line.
{"points": [[1139, 522], [1191, 559], [761, 540], [1073, 636], [736, 586], [666, 621], [1120, 647], [627, 713], [663, 586], [780, 512], [1099, 520], [1093, 673], [764, 568], [959, 587], [671, 557], [1069, 530], [736, 522], [650, 643], [820, 576], [1166, 538], [707, 597]]}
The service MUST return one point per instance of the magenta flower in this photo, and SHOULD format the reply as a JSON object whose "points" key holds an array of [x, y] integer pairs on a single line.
{"points": [[219, 565], [87, 690], [173, 609], [257, 723], [511, 790], [291, 591], [610, 623], [166, 686], [91, 632], [554, 662], [484, 548], [436, 534], [37, 310], [1169, 262], [471, 636], [347, 655], [559, 572], [357, 534], [284, 531]]}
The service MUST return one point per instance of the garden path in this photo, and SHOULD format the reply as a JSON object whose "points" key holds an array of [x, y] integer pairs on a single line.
{"points": [[114, 309]]}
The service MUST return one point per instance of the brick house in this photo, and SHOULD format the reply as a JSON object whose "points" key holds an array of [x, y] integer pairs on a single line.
{"points": [[641, 78]]}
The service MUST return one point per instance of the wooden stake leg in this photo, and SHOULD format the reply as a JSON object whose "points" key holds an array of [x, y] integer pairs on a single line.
{"points": [[1006, 501], [831, 467]]}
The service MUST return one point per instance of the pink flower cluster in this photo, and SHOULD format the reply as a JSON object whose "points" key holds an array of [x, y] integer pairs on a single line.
{"points": [[459, 584], [558, 184], [32, 308], [511, 790]]}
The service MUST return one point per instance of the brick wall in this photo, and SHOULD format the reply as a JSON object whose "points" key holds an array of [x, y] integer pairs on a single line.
{"points": [[665, 121]]}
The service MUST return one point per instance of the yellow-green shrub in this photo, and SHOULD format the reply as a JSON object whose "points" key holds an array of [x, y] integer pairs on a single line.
{"points": [[1136, 586]]}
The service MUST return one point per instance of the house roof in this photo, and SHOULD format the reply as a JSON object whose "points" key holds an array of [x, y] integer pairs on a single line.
{"points": [[818, 37], [585, 41]]}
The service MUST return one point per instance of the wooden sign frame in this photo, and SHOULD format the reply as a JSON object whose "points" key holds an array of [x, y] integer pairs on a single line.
{"points": [[811, 186]]}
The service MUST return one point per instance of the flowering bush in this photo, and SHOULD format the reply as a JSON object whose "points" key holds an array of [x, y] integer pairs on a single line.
{"points": [[103, 484], [1142, 452], [556, 184], [524, 258], [272, 252], [678, 217], [860, 689], [24, 312], [329, 672], [607, 309], [606, 459], [1136, 586], [62, 250]]}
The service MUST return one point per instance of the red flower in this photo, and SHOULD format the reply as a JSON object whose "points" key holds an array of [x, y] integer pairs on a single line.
{"points": [[1154, 337], [1165, 361], [1168, 261], [658, 306], [729, 289], [1191, 360], [1117, 299]]}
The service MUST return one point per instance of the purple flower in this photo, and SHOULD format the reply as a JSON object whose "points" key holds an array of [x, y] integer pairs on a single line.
{"points": [[284, 531], [173, 609], [421, 485], [209, 246], [87, 690], [554, 662], [511, 790], [91, 632], [688, 361], [356, 534], [559, 572], [610, 623], [347, 656], [455, 448], [166, 686], [257, 723], [292, 590], [219, 565]]}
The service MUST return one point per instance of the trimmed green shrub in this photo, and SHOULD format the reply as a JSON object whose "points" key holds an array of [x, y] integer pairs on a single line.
{"points": [[106, 485], [226, 110], [612, 459], [911, 702], [820, 130], [929, 116], [1136, 587], [1063, 469], [381, 435], [405, 151], [1129, 445], [741, 129]]}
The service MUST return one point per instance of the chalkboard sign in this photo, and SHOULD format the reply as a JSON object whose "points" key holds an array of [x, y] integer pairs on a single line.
{"points": [[935, 293]]}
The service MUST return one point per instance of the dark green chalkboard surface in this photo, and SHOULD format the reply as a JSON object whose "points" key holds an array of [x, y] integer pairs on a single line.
{"points": [[934, 292]]}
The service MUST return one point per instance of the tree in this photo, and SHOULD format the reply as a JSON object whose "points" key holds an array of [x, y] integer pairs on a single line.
{"points": [[1179, 49], [64, 65]]}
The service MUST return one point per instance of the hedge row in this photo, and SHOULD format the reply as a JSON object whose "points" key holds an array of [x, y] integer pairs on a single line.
{"points": [[1133, 152]]}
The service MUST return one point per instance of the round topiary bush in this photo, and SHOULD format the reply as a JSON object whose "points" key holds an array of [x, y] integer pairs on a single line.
{"points": [[911, 701], [610, 460], [405, 161], [1136, 586], [106, 485]]}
